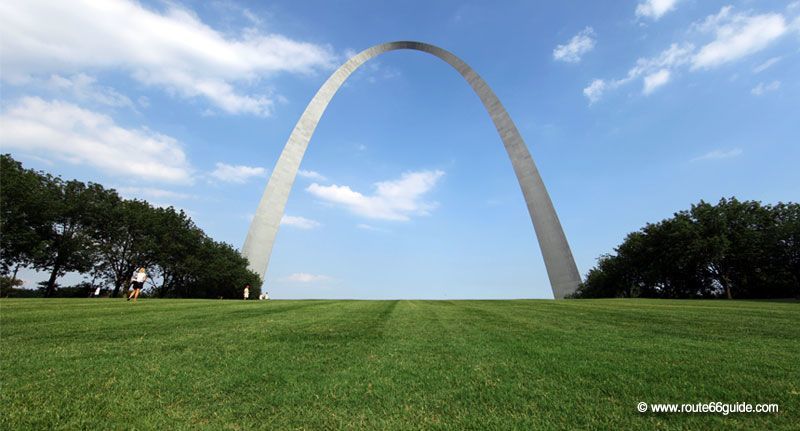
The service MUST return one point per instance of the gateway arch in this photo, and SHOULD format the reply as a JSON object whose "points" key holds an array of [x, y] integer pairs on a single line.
{"points": [[561, 268]]}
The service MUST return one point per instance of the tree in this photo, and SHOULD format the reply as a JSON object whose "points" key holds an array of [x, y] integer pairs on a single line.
{"points": [[180, 243], [23, 214], [733, 249], [785, 241], [68, 245], [191, 265], [69, 226], [123, 237]]}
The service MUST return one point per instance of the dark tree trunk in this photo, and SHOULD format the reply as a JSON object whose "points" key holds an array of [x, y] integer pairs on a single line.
{"points": [[117, 285], [727, 285], [51, 283], [14, 277]]}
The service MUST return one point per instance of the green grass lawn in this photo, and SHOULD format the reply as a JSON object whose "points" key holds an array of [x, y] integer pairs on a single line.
{"points": [[580, 364]]}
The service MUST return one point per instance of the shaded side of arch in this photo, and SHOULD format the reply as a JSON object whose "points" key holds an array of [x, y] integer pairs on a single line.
{"points": [[558, 259]]}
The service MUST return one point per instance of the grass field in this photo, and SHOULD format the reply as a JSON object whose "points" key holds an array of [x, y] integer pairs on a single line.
{"points": [[580, 364]]}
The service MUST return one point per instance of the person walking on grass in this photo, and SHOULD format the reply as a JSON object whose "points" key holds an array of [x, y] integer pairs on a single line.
{"points": [[138, 279], [246, 291]]}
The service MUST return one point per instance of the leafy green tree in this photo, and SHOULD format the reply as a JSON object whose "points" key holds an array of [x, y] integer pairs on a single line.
{"points": [[123, 238], [224, 272], [8, 285], [23, 214], [69, 226], [732, 249], [179, 243], [68, 245], [191, 265], [786, 240]]}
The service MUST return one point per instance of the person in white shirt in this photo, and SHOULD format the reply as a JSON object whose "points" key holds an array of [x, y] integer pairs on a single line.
{"points": [[246, 291], [137, 281], [97, 292]]}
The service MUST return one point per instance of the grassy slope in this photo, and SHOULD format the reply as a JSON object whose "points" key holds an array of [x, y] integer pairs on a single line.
{"points": [[182, 364]]}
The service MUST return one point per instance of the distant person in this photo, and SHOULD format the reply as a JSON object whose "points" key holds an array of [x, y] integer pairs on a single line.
{"points": [[246, 291], [97, 292], [266, 295], [138, 279]]}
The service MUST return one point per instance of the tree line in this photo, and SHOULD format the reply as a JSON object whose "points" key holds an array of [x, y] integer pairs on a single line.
{"points": [[59, 226], [734, 249]]}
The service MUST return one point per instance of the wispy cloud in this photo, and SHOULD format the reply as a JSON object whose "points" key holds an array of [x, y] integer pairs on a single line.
{"points": [[303, 277], [580, 44], [152, 192], [737, 35], [766, 65], [369, 227], [313, 175], [299, 222], [655, 80], [80, 136], [762, 88], [655, 9], [171, 49], [594, 91], [237, 173], [718, 154], [85, 88], [733, 36], [393, 200], [655, 72]]}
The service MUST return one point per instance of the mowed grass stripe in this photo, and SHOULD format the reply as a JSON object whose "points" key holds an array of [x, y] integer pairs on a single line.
{"points": [[189, 364]]}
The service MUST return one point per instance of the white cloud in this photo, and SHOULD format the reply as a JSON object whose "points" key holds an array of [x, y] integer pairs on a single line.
{"points": [[253, 18], [66, 131], [718, 154], [736, 36], [313, 175], [302, 277], [153, 193], [655, 9], [369, 227], [762, 88], [594, 91], [579, 45], [650, 68], [672, 57], [236, 173], [655, 80], [172, 49], [393, 200], [299, 222], [83, 87], [766, 65]]}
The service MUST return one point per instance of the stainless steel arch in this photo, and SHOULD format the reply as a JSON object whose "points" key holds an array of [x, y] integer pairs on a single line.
{"points": [[561, 268]]}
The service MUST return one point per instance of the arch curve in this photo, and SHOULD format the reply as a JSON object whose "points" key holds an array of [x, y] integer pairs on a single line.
{"points": [[561, 268]]}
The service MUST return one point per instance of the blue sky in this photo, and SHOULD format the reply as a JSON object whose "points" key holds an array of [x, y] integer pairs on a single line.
{"points": [[632, 110]]}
